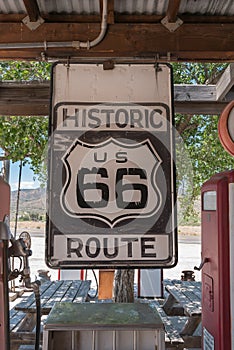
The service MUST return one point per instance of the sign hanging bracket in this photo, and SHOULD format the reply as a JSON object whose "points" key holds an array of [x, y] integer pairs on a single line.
{"points": [[171, 26]]}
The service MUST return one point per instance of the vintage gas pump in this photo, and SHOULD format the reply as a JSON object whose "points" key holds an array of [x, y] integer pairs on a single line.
{"points": [[218, 262], [10, 247], [4, 238]]}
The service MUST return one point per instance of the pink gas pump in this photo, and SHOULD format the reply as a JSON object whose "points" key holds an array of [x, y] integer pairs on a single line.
{"points": [[218, 262], [4, 239]]}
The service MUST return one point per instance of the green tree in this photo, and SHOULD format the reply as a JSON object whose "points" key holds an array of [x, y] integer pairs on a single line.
{"points": [[199, 134], [24, 138]]}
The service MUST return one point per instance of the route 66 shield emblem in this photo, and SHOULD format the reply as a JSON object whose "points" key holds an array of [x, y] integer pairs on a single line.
{"points": [[111, 181]]}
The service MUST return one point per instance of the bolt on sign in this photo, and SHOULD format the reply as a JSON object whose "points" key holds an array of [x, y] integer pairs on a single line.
{"points": [[111, 187]]}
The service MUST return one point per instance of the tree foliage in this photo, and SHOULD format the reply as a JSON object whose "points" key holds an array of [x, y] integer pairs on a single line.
{"points": [[24, 71], [199, 133], [24, 138]]}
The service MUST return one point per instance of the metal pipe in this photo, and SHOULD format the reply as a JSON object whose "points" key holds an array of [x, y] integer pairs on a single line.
{"points": [[114, 340], [56, 44], [93, 339]]}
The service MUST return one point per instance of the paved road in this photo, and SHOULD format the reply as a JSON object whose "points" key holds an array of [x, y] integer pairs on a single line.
{"points": [[189, 255]]}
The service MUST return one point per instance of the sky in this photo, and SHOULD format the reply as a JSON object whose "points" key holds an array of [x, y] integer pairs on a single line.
{"points": [[28, 179]]}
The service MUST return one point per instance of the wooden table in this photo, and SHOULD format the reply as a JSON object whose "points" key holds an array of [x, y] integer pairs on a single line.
{"points": [[23, 316], [53, 292], [187, 295]]}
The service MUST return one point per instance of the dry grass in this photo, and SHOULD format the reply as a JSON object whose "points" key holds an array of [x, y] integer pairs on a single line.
{"points": [[29, 225], [40, 225]]}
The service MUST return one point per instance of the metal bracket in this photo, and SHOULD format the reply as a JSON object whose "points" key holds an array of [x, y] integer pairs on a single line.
{"points": [[172, 26], [33, 25]]}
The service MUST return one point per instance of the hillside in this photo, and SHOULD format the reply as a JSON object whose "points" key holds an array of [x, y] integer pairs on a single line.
{"points": [[32, 206], [32, 201]]}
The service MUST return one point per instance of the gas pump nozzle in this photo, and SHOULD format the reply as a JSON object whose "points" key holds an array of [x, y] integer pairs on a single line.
{"points": [[20, 250]]}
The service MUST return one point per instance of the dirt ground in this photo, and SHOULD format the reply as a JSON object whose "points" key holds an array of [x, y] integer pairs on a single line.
{"points": [[29, 225], [189, 230]]}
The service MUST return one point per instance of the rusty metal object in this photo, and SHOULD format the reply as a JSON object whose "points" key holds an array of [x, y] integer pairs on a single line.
{"points": [[187, 275]]}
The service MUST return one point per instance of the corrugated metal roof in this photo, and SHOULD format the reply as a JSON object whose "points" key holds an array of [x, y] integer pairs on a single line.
{"points": [[159, 7], [147, 7], [156, 7], [55, 6], [69, 6], [211, 7], [12, 6]]}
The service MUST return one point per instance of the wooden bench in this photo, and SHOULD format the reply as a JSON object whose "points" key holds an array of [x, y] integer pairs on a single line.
{"points": [[23, 315], [22, 329], [190, 303], [186, 296], [173, 339]]}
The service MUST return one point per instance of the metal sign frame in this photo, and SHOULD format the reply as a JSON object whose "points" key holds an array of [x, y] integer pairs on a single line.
{"points": [[111, 186], [225, 128]]}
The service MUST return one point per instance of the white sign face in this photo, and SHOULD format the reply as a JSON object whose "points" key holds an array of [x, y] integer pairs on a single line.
{"points": [[111, 178]]}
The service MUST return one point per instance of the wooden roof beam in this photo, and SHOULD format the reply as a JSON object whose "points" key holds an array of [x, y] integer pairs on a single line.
{"points": [[32, 10], [190, 42], [172, 10], [34, 99], [225, 83]]}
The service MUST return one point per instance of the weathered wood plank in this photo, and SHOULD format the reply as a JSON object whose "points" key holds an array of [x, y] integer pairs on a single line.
{"points": [[16, 318], [203, 41], [57, 296], [186, 300], [190, 325], [225, 82], [193, 93], [28, 323], [26, 303], [82, 292], [34, 99], [72, 291], [172, 334]]}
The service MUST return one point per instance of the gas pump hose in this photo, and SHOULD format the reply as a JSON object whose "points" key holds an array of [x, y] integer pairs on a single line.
{"points": [[38, 318], [36, 289]]}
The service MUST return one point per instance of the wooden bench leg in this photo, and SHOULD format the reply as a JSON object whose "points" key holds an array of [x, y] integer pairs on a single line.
{"points": [[192, 342], [45, 340], [28, 323], [190, 325], [168, 305]]}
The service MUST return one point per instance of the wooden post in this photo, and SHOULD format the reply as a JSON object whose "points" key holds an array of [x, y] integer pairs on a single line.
{"points": [[106, 280]]}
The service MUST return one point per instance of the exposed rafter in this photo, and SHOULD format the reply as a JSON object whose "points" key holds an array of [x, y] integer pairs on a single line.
{"points": [[32, 9], [225, 82], [172, 10]]}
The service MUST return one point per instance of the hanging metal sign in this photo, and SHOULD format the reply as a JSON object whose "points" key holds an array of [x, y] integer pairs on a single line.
{"points": [[111, 174]]}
